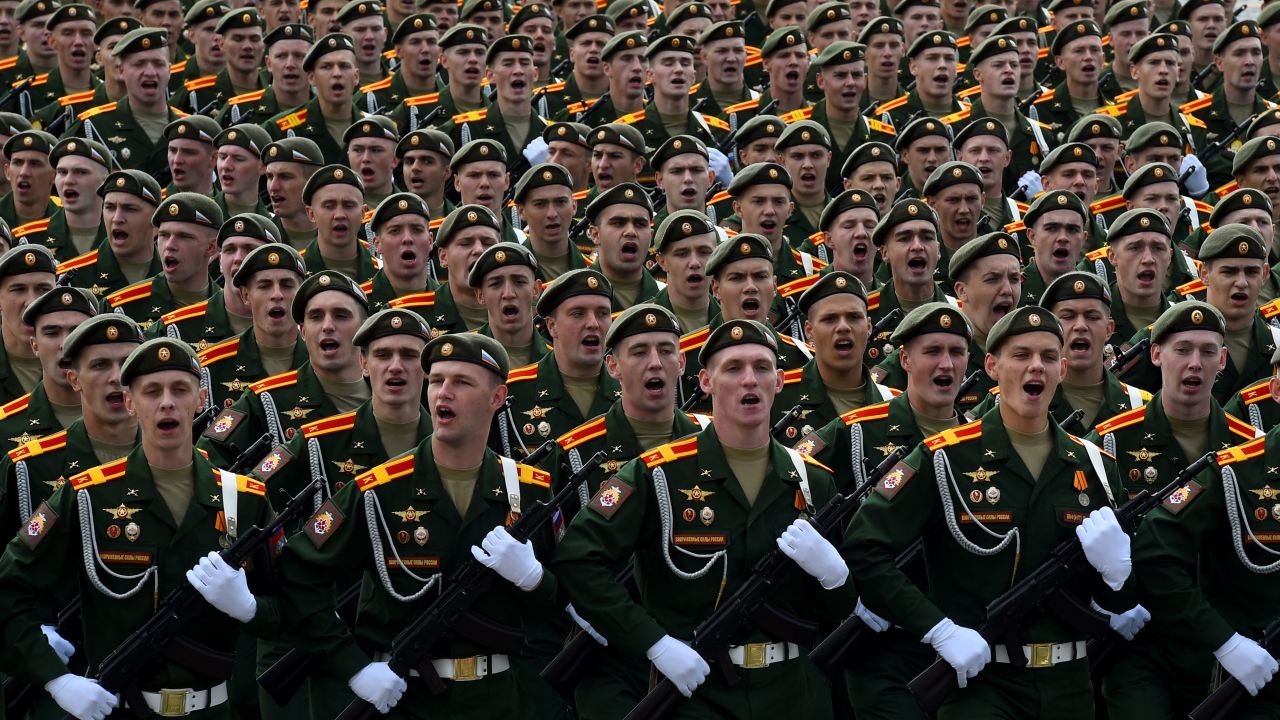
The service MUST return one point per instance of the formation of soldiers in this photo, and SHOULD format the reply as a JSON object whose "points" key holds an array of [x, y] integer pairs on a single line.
{"points": [[479, 360]]}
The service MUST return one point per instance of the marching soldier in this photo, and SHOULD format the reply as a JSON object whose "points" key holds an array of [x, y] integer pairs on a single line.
{"points": [[286, 47], [761, 204], [402, 237], [334, 198], [207, 57], [30, 174], [684, 175], [462, 49], [931, 60], [190, 154], [424, 165], [621, 226], [682, 247], [80, 167], [1077, 51], [873, 167], [71, 29], [804, 149], [722, 48], [417, 43], [241, 36], [504, 281], [108, 86], [884, 42], [1127, 23], [462, 238], [510, 119], [289, 165], [984, 144], [1102, 133], [786, 61], [26, 273], [330, 66], [954, 191], [128, 255], [839, 111], [1056, 228], [238, 152], [1153, 61], [586, 81], [370, 151], [545, 199], [481, 175], [844, 239]]}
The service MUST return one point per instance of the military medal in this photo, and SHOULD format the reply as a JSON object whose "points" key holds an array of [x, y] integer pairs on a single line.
{"points": [[544, 428], [1266, 493], [403, 536], [409, 514], [708, 516], [975, 496], [1084, 499], [1134, 474], [420, 535], [689, 515], [528, 428], [1260, 513], [113, 531], [132, 532], [1275, 512], [982, 474], [1143, 454], [993, 495], [1150, 474], [697, 494], [791, 431]]}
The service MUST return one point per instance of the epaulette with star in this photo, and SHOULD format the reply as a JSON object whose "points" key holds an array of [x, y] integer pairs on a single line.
{"points": [[1194, 121], [1101, 253], [386, 472], [796, 115], [1256, 392], [671, 451], [30, 228], [954, 436], [38, 447], [694, 340], [1121, 421], [414, 300], [1252, 449], [274, 382], [589, 430], [130, 294], [248, 97], [332, 424], [714, 122], [631, 118], [99, 475], [1107, 204], [1240, 427], [36, 81], [9, 63], [879, 411], [1270, 309], [201, 83], [795, 287], [1227, 189], [751, 104], [76, 98], [294, 119], [1192, 287], [178, 67]]}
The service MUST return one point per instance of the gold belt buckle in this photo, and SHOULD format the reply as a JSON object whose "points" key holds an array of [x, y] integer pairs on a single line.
{"points": [[465, 669], [1042, 655], [173, 703], [754, 655]]}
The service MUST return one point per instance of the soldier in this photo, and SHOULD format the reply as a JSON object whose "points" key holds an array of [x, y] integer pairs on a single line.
{"points": [[841, 75], [1140, 252], [417, 46], [567, 146], [1056, 230], [1182, 92], [921, 146], [80, 167], [1078, 54], [1155, 187], [1017, 460], [266, 282], [954, 192], [187, 227], [481, 175], [132, 127], [586, 81], [488, 14], [189, 143], [804, 149], [931, 60], [462, 49], [330, 308], [167, 15], [71, 29], [188, 494], [52, 403], [544, 197], [918, 18], [626, 67], [845, 237], [1251, 207], [996, 69], [128, 255], [1153, 62], [786, 61], [683, 245], [288, 166], [241, 36], [883, 38], [331, 68], [106, 87], [334, 197], [30, 176], [286, 48], [985, 145], [621, 227], [366, 24], [617, 155], [670, 61], [873, 167], [751, 476], [238, 152], [537, 21], [1267, 73], [462, 371], [402, 237], [37, 56], [504, 280], [1257, 165], [424, 166], [761, 200], [1207, 21], [722, 50], [371, 152], [1127, 23], [510, 120], [26, 273], [683, 175], [1074, 167], [1155, 142], [207, 57], [225, 313], [1102, 133], [1181, 422]]}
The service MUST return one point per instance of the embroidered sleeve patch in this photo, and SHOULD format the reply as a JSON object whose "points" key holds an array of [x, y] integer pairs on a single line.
{"points": [[613, 492], [1179, 499], [276, 459], [810, 445], [893, 480], [223, 425], [323, 524], [38, 525]]}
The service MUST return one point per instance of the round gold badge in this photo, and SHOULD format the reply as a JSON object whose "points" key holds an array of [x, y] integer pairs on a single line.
{"points": [[593, 283], [337, 174], [325, 280], [1244, 248], [29, 259], [736, 333], [173, 209], [1197, 317], [446, 349], [164, 354], [113, 332], [1079, 286], [650, 319], [1034, 320], [944, 321], [500, 256], [397, 321]]}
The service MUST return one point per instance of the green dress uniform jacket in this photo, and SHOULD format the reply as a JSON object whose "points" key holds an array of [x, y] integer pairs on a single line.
{"points": [[54, 234], [792, 354], [366, 266], [798, 229], [1056, 112], [379, 291], [864, 130], [132, 532], [882, 302], [488, 122], [380, 97], [277, 405], [72, 105], [540, 408], [997, 494], [27, 418], [252, 107], [663, 298], [131, 148], [201, 325], [49, 88], [1125, 329], [1117, 397], [10, 388], [145, 302], [1146, 375], [710, 106], [215, 90], [804, 387], [437, 308], [711, 518], [308, 121], [9, 213], [1132, 117], [1212, 111], [889, 372], [1255, 405], [1029, 140], [898, 111], [233, 365], [709, 129], [99, 272], [1198, 606], [421, 537]]}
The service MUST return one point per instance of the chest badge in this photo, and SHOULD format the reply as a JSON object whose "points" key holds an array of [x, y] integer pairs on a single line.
{"points": [[1143, 455], [1266, 493], [348, 467], [298, 413], [982, 474], [537, 412], [707, 516], [122, 512], [409, 514], [697, 494]]}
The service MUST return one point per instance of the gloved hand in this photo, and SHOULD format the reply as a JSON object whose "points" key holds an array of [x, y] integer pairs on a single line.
{"points": [[1247, 662], [963, 648], [1198, 183], [82, 698], [1106, 546], [225, 587], [59, 644], [536, 151], [719, 162], [814, 554], [1127, 623], [586, 626], [679, 663], [514, 561], [378, 685], [872, 620], [1032, 182]]}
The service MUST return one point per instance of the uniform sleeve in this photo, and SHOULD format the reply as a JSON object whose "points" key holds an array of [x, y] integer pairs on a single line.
{"points": [[601, 539], [889, 521], [251, 424]]}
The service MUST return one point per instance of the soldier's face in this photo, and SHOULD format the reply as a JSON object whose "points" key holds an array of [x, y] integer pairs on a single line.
{"points": [[404, 242], [167, 15], [1068, 15], [584, 54], [233, 252], [244, 49], [238, 169], [335, 77], [849, 237], [745, 289], [507, 295], [1207, 23], [862, 12], [991, 156], [742, 381], [1086, 325], [73, 42], [146, 77], [807, 165], [490, 21], [959, 208], [725, 60], [1057, 238], [370, 36], [577, 327], [208, 44], [1080, 178], [1108, 152], [8, 23], [622, 232], [572, 157], [1171, 156], [36, 39], [1127, 34], [1081, 60], [626, 70], [329, 324], [191, 162], [285, 64], [269, 295], [686, 179], [838, 326], [1028, 53], [418, 54], [463, 250], [280, 12], [934, 71], [127, 218], [924, 155], [512, 73], [30, 175], [1156, 74], [16, 293], [185, 251], [323, 16], [1262, 174], [95, 374], [764, 209], [483, 182], [1257, 218], [919, 20], [543, 32], [879, 179], [337, 211], [935, 364], [912, 251], [842, 85], [764, 149], [548, 211], [1141, 261], [1161, 197], [571, 11], [165, 403], [1232, 286], [1028, 368], [991, 288], [77, 180], [1240, 62], [1189, 361], [613, 164], [50, 330], [832, 32], [445, 13], [721, 10], [425, 173], [455, 390], [374, 159], [394, 366], [955, 12], [672, 74], [787, 68], [465, 65], [792, 14], [285, 181], [685, 263], [648, 367], [884, 54]]}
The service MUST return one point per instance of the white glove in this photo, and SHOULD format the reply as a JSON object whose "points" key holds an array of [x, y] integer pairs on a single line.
{"points": [[82, 698], [536, 151], [963, 649], [1198, 183], [814, 554], [1127, 623], [378, 685], [1106, 547], [679, 663], [514, 561], [1247, 662], [719, 162], [872, 620], [225, 587], [1032, 182], [586, 626], [59, 644]]}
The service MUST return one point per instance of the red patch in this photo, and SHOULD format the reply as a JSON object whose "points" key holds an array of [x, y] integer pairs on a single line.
{"points": [[893, 480], [613, 492], [223, 425], [38, 525], [323, 524]]}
